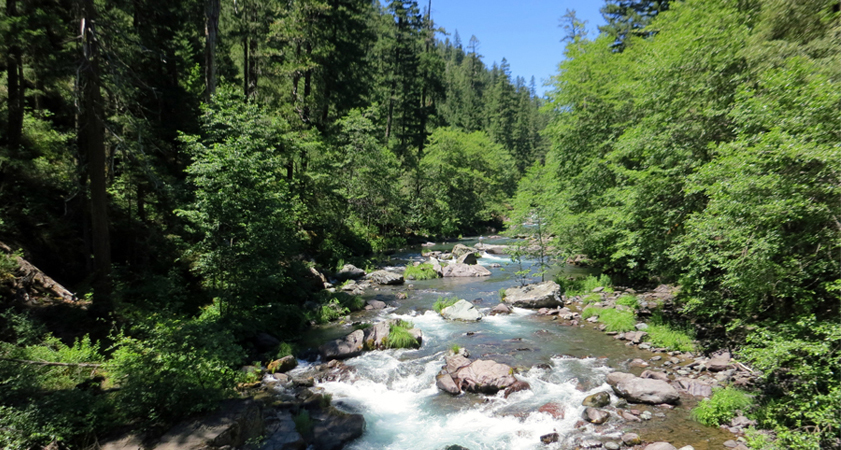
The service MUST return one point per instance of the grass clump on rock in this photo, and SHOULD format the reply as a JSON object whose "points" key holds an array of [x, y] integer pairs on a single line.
{"points": [[722, 406], [662, 335], [400, 337], [628, 300], [420, 272], [442, 303]]}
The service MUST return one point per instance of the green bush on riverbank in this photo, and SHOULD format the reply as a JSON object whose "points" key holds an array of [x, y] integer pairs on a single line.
{"points": [[420, 272]]}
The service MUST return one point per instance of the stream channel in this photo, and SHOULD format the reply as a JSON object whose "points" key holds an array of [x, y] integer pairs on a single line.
{"points": [[396, 393]]}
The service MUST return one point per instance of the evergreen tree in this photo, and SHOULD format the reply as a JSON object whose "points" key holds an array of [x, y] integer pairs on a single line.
{"points": [[629, 18]]}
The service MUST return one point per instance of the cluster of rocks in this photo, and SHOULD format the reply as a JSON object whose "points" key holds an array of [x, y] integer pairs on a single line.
{"points": [[265, 420], [374, 337], [460, 374]]}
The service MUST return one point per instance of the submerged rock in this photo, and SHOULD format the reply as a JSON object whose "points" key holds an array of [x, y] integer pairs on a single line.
{"points": [[385, 277], [660, 446], [541, 295], [555, 410], [595, 416]]}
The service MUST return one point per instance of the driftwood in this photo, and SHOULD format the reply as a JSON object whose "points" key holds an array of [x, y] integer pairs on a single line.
{"points": [[30, 276], [47, 363]]}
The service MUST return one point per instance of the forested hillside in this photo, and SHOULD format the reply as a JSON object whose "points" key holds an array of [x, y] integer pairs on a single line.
{"points": [[703, 149], [181, 165]]}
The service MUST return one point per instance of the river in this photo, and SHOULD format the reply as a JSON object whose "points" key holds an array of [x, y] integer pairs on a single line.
{"points": [[395, 389]]}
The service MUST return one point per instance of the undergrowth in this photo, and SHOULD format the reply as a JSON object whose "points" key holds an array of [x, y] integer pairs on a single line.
{"points": [[664, 334], [722, 406], [628, 300], [420, 272], [613, 319], [581, 286]]}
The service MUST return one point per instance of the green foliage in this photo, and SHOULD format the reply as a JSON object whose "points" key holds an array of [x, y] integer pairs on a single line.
{"points": [[420, 272], [178, 368], [628, 300], [591, 298], [330, 311], [399, 336], [664, 335], [502, 294], [8, 266], [303, 422], [613, 319], [455, 348], [799, 365], [466, 178], [242, 208], [722, 406], [445, 302]]}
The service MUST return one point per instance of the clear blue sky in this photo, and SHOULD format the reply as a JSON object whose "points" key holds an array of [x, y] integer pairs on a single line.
{"points": [[524, 32]]}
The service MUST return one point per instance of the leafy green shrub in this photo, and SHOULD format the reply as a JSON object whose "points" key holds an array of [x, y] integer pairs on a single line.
{"points": [[628, 300], [445, 302], [722, 406], [569, 286], [663, 335], [399, 336], [592, 282], [178, 368], [284, 349], [420, 272], [351, 302], [502, 294], [455, 349], [303, 422]]}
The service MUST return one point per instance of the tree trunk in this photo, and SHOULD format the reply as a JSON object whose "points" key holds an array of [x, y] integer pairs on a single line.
{"points": [[14, 68], [245, 65], [92, 143], [211, 31]]}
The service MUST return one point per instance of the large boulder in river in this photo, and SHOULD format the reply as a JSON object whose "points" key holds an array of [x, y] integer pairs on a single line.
{"points": [[235, 423], [540, 295], [465, 270], [349, 272], [462, 310], [467, 258], [485, 377], [346, 347], [461, 249], [385, 277], [642, 390], [480, 376], [333, 429]]}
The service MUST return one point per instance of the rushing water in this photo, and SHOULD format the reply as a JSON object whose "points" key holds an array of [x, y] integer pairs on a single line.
{"points": [[395, 389]]}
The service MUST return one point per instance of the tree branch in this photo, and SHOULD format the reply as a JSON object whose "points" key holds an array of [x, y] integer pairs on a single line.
{"points": [[47, 363]]}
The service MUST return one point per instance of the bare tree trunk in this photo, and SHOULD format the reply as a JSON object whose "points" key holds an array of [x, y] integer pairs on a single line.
{"points": [[14, 68], [92, 142], [211, 31]]}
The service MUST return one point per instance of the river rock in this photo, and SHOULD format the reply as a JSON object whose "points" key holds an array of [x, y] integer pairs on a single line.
{"points": [[385, 277], [631, 439], [282, 365], [501, 308], [282, 435], [654, 375], [375, 304], [541, 295], [642, 390], [549, 438], [236, 422], [349, 272], [719, 362], [597, 400], [555, 410], [346, 347], [456, 362], [465, 270], [694, 387], [660, 446], [462, 310], [446, 383], [436, 266], [376, 334], [595, 416], [517, 387], [467, 258], [461, 249], [485, 377], [334, 429]]}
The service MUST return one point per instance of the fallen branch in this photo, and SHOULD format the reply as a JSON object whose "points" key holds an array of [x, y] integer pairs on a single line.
{"points": [[31, 276], [48, 363]]}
